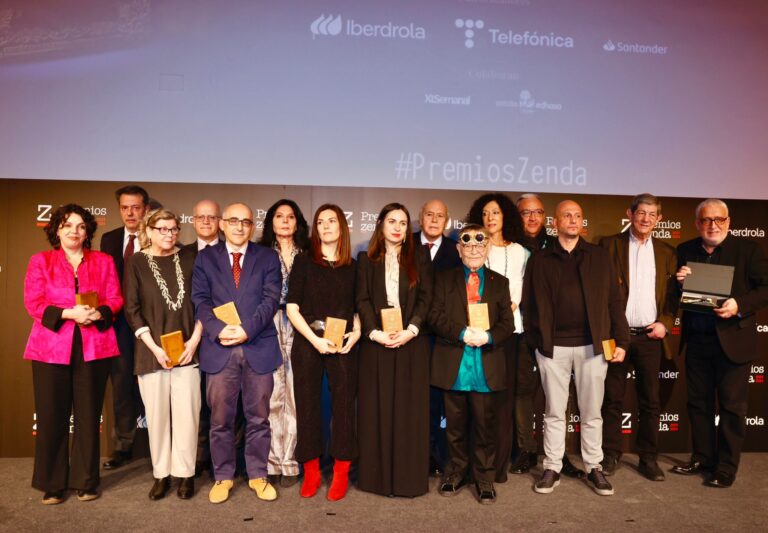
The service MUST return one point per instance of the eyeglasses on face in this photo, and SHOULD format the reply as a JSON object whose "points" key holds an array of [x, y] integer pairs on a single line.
{"points": [[718, 221], [527, 213], [234, 221], [165, 231], [478, 240], [206, 218]]}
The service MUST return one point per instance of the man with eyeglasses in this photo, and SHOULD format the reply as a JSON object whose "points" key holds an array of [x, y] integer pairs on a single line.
{"points": [[469, 363], [572, 304], [205, 220], [121, 244], [646, 271], [720, 346], [433, 220], [238, 356]]}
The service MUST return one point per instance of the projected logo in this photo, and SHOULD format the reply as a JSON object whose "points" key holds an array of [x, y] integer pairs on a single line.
{"points": [[669, 422], [626, 423], [747, 232], [44, 212], [527, 104], [328, 26], [469, 26], [757, 374], [331, 26], [634, 48], [665, 229]]}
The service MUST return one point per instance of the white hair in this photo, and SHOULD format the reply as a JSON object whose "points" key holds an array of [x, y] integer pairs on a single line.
{"points": [[711, 201]]}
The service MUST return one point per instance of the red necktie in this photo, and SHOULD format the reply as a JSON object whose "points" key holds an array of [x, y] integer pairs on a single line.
{"points": [[429, 245], [129, 248], [236, 267], [473, 288]]}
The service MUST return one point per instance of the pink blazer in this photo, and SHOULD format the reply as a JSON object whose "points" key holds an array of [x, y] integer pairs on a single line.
{"points": [[50, 281]]}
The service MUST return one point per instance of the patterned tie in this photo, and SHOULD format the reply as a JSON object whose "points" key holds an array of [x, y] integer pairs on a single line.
{"points": [[429, 245], [473, 288], [236, 267], [129, 249]]}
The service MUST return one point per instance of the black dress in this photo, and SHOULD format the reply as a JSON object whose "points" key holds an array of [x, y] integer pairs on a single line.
{"points": [[393, 388], [321, 291]]}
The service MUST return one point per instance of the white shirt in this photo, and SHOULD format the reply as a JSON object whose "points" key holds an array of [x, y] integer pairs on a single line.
{"points": [[126, 240], [435, 245], [510, 261], [641, 304], [231, 249], [202, 244]]}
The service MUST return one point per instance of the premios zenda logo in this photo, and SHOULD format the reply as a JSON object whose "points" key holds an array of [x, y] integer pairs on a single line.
{"points": [[44, 212]]}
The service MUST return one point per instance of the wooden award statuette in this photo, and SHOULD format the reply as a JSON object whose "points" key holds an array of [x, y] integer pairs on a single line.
{"points": [[478, 316], [173, 345], [391, 320], [609, 347], [334, 331], [90, 298], [227, 313]]}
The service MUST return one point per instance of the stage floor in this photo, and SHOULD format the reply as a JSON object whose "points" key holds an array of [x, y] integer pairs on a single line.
{"points": [[677, 504]]}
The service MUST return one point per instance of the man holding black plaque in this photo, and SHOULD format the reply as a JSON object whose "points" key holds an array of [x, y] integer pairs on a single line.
{"points": [[573, 313], [471, 317], [720, 343], [646, 269]]}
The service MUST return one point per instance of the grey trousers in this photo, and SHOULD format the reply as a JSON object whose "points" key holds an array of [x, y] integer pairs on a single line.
{"points": [[589, 372]]}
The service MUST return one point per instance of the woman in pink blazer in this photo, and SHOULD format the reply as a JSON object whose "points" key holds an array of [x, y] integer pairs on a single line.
{"points": [[70, 346]]}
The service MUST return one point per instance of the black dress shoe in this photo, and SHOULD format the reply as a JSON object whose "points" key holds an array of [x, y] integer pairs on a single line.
{"points": [[117, 460], [288, 481], [486, 494], [274, 479], [650, 469], [159, 488], [525, 461], [721, 480], [451, 485], [435, 470], [202, 466], [186, 488], [570, 470], [609, 463], [689, 469]]}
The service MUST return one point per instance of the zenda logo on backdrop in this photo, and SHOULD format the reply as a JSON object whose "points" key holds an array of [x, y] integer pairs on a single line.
{"points": [[665, 229], [44, 212]]}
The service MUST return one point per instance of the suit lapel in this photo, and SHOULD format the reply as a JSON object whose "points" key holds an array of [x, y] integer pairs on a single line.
{"points": [[222, 262], [624, 258], [659, 260], [249, 264]]}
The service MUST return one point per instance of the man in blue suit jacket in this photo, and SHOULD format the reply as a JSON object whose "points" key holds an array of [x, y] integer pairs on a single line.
{"points": [[238, 357]]}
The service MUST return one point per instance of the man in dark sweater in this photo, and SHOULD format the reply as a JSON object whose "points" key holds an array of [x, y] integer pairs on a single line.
{"points": [[571, 304], [720, 346]]}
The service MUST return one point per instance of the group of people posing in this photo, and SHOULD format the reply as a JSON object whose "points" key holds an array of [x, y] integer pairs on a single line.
{"points": [[230, 341]]}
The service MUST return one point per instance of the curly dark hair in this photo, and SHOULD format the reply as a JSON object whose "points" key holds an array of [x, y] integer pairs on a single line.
{"points": [[512, 227], [61, 215], [300, 238]]}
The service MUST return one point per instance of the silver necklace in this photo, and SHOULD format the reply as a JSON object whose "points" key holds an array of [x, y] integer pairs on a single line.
{"points": [[173, 306]]}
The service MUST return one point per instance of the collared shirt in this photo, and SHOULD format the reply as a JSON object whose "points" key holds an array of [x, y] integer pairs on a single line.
{"points": [[126, 240], [202, 244], [471, 376], [641, 304], [231, 249], [435, 245]]}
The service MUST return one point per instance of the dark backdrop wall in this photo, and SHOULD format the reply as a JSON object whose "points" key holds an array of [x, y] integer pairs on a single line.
{"points": [[25, 206]]}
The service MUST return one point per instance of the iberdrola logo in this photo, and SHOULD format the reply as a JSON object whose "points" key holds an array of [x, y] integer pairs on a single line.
{"points": [[323, 25]]}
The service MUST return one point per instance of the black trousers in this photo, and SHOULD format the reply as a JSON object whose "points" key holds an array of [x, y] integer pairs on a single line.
{"points": [[76, 389], [526, 384], [126, 399], [471, 434], [505, 413], [714, 381], [308, 367], [644, 355]]}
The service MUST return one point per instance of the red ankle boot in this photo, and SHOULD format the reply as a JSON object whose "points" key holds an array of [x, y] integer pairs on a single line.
{"points": [[312, 479], [340, 480]]}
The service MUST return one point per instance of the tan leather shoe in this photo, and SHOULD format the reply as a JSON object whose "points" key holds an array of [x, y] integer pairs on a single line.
{"points": [[264, 489], [220, 491]]}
